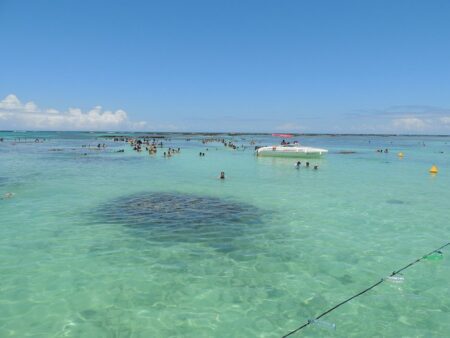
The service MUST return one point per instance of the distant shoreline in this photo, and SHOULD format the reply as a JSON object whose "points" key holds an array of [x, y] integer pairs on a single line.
{"points": [[159, 133]]}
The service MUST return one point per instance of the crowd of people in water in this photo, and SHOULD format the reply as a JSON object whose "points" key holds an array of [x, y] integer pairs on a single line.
{"points": [[171, 152], [226, 143], [153, 145], [25, 140], [98, 146], [150, 146], [285, 143], [307, 165]]}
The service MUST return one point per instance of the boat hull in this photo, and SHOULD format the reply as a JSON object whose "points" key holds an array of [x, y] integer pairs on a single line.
{"points": [[291, 153]]}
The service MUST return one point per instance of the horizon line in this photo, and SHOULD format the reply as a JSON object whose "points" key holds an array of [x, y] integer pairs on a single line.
{"points": [[218, 133]]}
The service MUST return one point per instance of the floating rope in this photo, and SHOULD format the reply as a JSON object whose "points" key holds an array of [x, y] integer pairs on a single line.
{"points": [[365, 290]]}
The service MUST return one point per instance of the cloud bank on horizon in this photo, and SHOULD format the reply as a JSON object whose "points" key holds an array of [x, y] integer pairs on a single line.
{"points": [[17, 115], [410, 119]]}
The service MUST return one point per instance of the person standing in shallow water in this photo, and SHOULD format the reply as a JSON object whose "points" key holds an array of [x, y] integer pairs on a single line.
{"points": [[222, 175]]}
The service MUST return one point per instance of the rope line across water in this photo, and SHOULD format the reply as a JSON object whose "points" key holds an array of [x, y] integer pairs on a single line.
{"points": [[365, 290]]}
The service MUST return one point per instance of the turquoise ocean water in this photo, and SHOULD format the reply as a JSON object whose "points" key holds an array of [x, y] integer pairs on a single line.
{"points": [[131, 245]]}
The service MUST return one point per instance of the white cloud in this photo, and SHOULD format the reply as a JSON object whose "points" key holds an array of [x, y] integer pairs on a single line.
{"points": [[410, 123], [17, 115], [10, 102], [402, 119], [445, 120]]}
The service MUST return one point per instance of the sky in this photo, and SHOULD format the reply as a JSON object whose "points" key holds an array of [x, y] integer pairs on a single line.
{"points": [[224, 65]]}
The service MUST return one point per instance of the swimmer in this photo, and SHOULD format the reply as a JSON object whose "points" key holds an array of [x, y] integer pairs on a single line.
{"points": [[222, 175], [298, 164], [316, 167], [8, 195], [307, 164]]}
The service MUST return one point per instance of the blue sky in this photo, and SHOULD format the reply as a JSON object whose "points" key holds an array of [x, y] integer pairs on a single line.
{"points": [[270, 66]]}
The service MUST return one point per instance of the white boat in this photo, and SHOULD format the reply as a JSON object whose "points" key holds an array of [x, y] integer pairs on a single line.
{"points": [[291, 150]]}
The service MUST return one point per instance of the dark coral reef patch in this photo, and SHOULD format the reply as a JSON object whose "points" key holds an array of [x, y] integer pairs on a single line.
{"points": [[181, 216]]}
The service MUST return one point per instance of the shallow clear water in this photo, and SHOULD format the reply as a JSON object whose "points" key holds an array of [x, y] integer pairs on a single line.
{"points": [[255, 255]]}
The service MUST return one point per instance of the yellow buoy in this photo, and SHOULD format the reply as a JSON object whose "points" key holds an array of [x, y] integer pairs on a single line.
{"points": [[400, 154], [434, 170]]}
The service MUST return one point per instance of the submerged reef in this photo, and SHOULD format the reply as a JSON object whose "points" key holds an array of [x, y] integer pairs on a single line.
{"points": [[394, 201], [181, 216]]}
